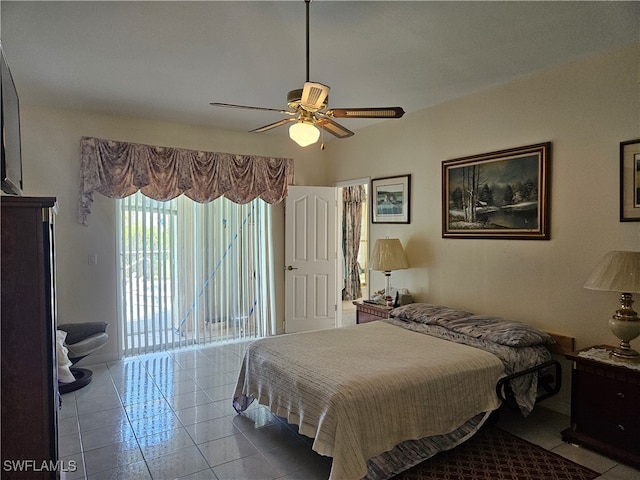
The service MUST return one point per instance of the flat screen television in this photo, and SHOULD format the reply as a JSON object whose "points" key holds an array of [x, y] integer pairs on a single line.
{"points": [[11, 155]]}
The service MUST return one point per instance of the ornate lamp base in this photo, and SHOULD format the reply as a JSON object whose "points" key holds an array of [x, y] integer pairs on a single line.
{"points": [[625, 354], [626, 326]]}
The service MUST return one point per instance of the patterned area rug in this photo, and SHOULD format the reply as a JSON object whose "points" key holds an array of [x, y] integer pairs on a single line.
{"points": [[493, 454]]}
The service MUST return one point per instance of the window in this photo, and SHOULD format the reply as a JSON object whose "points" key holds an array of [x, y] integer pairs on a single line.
{"points": [[193, 273]]}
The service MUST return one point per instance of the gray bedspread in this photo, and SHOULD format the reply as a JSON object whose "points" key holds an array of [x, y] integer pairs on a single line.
{"points": [[360, 391]]}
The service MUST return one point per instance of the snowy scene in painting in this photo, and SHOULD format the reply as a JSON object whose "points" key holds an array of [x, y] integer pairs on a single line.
{"points": [[494, 195]]}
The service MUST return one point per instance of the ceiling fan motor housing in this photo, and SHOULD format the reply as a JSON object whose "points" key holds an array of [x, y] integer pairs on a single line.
{"points": [[294, 100]]}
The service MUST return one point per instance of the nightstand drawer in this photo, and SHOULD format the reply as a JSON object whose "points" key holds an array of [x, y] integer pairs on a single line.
{"points": [[606, 394], [368, 312], [623, 433], [366, 317]]}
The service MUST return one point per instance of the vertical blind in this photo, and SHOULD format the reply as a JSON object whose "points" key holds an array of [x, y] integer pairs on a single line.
{"points": [[193, 273]]}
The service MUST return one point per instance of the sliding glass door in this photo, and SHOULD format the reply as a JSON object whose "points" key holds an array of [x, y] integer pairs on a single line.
{"points": [[193, 273]]}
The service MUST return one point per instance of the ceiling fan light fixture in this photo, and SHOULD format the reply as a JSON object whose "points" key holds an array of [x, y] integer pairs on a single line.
{"points": [[304, 133]]}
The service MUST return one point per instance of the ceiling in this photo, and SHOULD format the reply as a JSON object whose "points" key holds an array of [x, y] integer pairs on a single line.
{"points": [[168, 60]]}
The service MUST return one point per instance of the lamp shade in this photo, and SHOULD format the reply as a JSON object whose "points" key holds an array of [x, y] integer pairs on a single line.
{"points": [[304, 133], [616, 272], [388, 255]]}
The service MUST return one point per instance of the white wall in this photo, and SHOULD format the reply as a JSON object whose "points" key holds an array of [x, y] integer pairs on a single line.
{"points": [[585, 109], [51, 164]]}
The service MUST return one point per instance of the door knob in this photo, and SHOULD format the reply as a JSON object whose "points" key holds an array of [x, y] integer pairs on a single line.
{"points": [[289, 267]]}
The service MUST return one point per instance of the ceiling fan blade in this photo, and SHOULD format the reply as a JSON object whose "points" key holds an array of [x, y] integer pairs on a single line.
{"points": [[378, 112], [246, 107], [314, 96], [279, 123], [333, 128]]}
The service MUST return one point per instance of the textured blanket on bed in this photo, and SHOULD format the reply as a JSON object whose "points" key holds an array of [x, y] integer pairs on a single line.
{"points": [[359, 391]]}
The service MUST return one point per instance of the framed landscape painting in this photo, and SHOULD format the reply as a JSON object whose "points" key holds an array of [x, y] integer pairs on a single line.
{"points": [[630, 181], [503, 194], [390, 199]]}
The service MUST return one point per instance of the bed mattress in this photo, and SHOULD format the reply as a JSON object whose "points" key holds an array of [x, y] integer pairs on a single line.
{"points": [[359, 391]]}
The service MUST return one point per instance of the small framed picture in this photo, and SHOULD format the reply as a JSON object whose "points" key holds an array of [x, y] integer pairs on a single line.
{"points": [[390, 199], [630, 181], [503, 194]]}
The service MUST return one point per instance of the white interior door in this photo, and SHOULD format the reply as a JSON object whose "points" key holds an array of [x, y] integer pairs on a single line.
{"points": [[311, 242]]}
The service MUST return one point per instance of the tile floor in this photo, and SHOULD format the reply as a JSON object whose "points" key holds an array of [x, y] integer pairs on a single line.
{"points": [[169, 415]]}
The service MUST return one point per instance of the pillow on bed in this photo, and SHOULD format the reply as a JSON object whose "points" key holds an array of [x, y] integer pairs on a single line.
{"points": [[484, 327], [498, 330], [428, 314]]}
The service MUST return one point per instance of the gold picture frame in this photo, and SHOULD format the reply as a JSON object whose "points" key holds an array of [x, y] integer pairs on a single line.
{"points": [[502, 194]]}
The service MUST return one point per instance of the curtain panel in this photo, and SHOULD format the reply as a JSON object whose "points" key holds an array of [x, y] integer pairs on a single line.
{"points": [[353, 198], [119, 169]]}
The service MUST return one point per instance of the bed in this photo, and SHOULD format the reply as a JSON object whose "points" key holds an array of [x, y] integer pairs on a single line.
{"points": [[383, 396]]}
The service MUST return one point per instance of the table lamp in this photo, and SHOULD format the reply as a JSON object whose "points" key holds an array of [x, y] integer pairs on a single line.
{"points": [[388, 255], [620, 272]]}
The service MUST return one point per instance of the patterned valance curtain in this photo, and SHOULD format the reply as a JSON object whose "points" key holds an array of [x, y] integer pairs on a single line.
{"points": [[353, 198], [119, 169]]}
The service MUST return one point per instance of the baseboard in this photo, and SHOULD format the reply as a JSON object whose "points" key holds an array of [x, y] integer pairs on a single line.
{"points": [[96, 358]]}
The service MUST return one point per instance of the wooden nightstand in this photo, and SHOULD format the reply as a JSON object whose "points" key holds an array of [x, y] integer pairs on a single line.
{"points": [[369, 312], [604, 407]]}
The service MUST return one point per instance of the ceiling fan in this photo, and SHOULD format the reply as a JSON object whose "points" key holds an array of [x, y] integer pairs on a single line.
{"points": [[307, 110]]}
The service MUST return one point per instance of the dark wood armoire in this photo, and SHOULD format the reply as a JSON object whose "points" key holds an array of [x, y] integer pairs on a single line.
{"points": [[29, 382]]}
